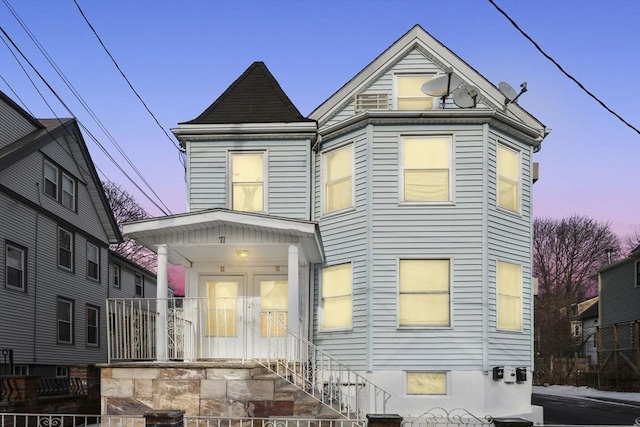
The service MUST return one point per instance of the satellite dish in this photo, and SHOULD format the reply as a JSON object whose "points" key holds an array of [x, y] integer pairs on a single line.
{"points": [[509, 93], [466, 96], [441, 85]]}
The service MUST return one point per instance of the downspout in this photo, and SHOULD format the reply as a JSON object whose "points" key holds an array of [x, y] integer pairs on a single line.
{"points": [[485, 248]]}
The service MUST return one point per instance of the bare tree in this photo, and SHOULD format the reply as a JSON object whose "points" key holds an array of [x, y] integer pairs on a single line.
{"points": [[567, 254], [125, 209], [632, 242]]}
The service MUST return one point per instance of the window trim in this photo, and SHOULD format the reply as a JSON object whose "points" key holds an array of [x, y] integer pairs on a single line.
{"points": [[321, 327], [64, 369], [116, 283], [637, 266], [323, 179], [25, 368], [61, 174], [430, 326], [71, 321], [24, 255], [96, 309], [135, 285], [451, 169], [518, 153], [396, 96], [97, 252], [447, 385], [521, 298], [72, 250], [265, 177]]}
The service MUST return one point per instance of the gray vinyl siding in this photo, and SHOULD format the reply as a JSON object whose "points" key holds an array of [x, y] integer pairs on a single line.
{"points": [[344, 239], [14, 125], [619, 294], [287, 175], [432, 231], [127, 281], [414, 62], [33, 314], [509, 240], [26, 178]]}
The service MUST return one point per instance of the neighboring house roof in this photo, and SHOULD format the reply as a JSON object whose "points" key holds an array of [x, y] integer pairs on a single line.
{"points": [[590, 312], [418, 38], [49, 130], [255, 97], [633, 256], [119, 259]]}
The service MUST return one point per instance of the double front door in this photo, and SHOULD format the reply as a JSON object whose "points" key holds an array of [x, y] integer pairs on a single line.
{"points": [[240, 317]]}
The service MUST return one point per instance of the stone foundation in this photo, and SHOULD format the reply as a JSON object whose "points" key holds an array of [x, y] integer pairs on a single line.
{"points": [[217, 389]]}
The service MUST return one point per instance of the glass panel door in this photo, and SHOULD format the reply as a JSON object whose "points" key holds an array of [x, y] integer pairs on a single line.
{"points": [[270, 311], [221, 314]]}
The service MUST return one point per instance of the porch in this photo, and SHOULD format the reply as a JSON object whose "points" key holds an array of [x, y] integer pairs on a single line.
{"points": [[231, 356]]}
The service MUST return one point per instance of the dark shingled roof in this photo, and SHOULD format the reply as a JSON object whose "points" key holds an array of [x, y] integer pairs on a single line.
{"points": [[255, 97], [590, 312]]}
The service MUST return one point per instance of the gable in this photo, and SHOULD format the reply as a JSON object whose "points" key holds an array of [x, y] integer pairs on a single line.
{"points": [[15, 122], [417, 51]]}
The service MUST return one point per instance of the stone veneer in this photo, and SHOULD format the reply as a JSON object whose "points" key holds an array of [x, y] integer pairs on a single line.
{"points": [[217, 389]]}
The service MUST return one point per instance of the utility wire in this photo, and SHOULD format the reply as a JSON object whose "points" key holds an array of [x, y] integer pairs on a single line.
{"points": [[580, 85], [104, 150], [124, 76], [81, 100]]}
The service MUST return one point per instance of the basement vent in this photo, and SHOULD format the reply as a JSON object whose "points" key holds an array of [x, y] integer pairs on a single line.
{"points": [[372, 101]]}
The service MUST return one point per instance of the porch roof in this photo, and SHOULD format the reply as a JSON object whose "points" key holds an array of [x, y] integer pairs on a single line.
{"points": [[187, 235]]}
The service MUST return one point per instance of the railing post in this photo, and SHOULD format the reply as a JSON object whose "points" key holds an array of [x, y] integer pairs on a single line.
{"points": [[165, 418]]}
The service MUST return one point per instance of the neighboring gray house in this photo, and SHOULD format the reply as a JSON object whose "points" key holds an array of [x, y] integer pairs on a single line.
{"points": [[55, 231], [583, 329], [390, 228], [128, 280], [619, 290]]}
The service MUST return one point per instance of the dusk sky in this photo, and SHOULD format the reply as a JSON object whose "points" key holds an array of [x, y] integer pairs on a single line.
{"points": [[181, 55]]}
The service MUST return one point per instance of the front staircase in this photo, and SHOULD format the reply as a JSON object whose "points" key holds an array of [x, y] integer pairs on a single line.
{"points": [[320, 378]]}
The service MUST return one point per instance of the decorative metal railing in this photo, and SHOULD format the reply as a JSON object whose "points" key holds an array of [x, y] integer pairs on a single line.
{"points": [[60, 387], [320, 375], [191, 421], [69, 420], [436, 417]]}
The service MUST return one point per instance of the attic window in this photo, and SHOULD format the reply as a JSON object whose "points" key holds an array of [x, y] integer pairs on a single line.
{"points": [[409, 95], [372, 101]]}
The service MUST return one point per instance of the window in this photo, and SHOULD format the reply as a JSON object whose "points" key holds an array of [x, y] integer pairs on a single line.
{"points": [[576, 329], [50, 180], [336, 297], [93, 261], [409, 93], [20, 370], [426, 165], [509, 296], [116, 274], [15, 259], [247, 172], [65, 321], [139, 283], [65, 249], [60, 185], [427, 383], [93, 326], [638, 274], [68, 191], [338, 179], [424, 293], [508, 178], [62, 372]]}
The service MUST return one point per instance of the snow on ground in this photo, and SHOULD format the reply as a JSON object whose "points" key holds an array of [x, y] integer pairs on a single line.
{"points": [[565, 390]]}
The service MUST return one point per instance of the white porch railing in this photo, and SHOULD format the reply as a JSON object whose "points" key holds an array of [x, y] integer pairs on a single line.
{"points": [[238, 329]]}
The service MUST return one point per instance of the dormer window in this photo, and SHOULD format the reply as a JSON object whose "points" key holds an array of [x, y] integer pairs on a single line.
{"points": [[408, 93], [247, 182]]}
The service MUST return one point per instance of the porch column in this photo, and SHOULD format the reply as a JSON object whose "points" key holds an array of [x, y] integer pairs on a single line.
{"points": [[162, 292], [294, 290]]}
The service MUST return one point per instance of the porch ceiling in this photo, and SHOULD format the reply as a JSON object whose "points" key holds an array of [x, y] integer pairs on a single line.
{"points": [[216, 235]]}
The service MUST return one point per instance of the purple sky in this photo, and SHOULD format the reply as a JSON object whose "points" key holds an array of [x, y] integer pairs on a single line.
{"points": [[181, 55]]}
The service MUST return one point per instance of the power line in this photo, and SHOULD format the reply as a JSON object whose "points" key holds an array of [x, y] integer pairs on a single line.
{"points": [[124, 76], [104, 150], [580, 85], [81, 100]]}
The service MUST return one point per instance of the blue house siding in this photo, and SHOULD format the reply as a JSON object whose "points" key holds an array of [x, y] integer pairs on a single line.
{"points": [[287, 173]]}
